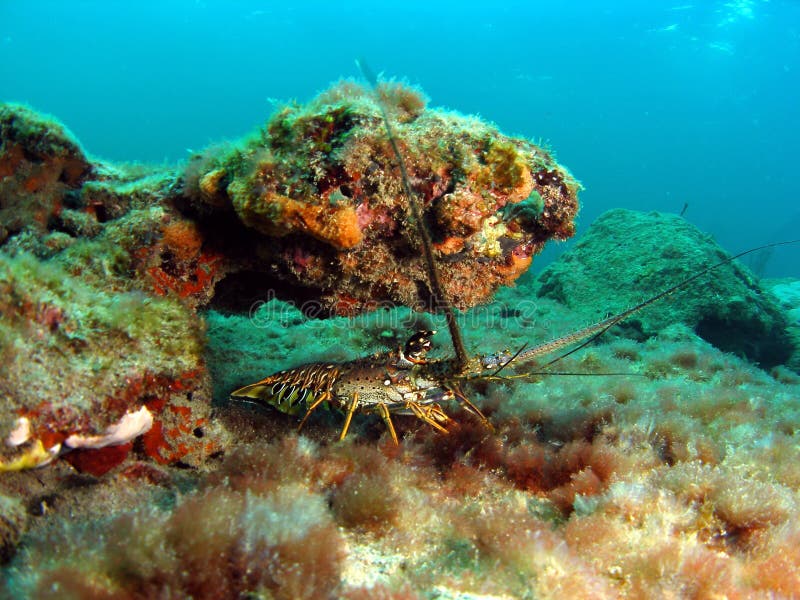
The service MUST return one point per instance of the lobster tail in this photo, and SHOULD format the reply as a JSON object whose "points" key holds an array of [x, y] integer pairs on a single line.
{"points": [[290, 391]]}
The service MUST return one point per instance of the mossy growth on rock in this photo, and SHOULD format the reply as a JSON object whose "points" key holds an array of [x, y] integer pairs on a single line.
{"points": [[627, 256], [318, 197]]}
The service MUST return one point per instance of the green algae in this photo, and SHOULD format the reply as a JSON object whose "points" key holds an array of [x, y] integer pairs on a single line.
{"points": [[529, 210], [70, 347], [23, 125]]}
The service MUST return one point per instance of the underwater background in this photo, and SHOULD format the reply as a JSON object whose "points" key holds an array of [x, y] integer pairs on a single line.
{"points": [[651, 105], [195, 196]]}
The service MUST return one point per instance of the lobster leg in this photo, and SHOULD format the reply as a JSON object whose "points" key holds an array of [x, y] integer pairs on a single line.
{"points": [[429, 414], [472, 408], [388, 420], [324, 396], [350, 410]]}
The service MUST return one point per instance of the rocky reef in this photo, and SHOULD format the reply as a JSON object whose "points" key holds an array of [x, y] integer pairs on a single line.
{"points": [[728, 308], [679, 477], [319, 195], [104, 266], [100, 281], [132, 300]]}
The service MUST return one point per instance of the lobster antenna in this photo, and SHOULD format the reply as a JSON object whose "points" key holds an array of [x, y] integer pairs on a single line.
{"points": [[589, 334], [422, 229]]}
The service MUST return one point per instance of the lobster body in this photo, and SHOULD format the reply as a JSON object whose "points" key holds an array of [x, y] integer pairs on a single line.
{"points": [[397, 382], [376, 379], [386, 379]]}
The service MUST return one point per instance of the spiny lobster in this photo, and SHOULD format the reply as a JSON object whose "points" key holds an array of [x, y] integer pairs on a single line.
{"points": [[404, 381]]}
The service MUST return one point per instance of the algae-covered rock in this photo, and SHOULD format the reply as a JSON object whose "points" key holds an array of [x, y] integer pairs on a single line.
{"points": [[627, 256], [684, 481], [100, 276], [787, 292], [40, 164], [320, 201], [12, 524], [77, 358]]}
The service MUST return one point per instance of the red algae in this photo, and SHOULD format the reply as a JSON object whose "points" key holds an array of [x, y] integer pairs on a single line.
{"points": [[600, 518], [154, 443], [379, 592], [98, 461], [238, 549], [365, 502], [183, 239]]}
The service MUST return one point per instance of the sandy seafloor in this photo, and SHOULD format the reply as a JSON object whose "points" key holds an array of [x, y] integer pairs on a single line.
{"points": [[675, 477]]}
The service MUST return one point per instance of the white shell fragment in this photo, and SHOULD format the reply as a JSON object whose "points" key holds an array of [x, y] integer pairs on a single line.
{"points": [[131, 425], [52, 453], [20, 434]]}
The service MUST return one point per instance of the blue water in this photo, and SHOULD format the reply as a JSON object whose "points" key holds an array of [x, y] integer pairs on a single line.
{"points": [[651, 105]]}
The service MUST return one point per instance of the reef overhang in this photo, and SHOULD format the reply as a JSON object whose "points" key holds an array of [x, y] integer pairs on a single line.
{"points": [[319, 200]]}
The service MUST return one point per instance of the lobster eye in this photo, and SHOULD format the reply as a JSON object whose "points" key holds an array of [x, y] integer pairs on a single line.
{"points": [[418, 345]]}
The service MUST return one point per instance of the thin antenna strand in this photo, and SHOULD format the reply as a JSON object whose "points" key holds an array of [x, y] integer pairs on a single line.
{"points": [[592, 332], [416, 214]]}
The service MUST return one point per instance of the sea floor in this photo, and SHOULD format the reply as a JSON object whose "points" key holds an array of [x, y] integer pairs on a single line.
{"points": [[645, 469]]}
